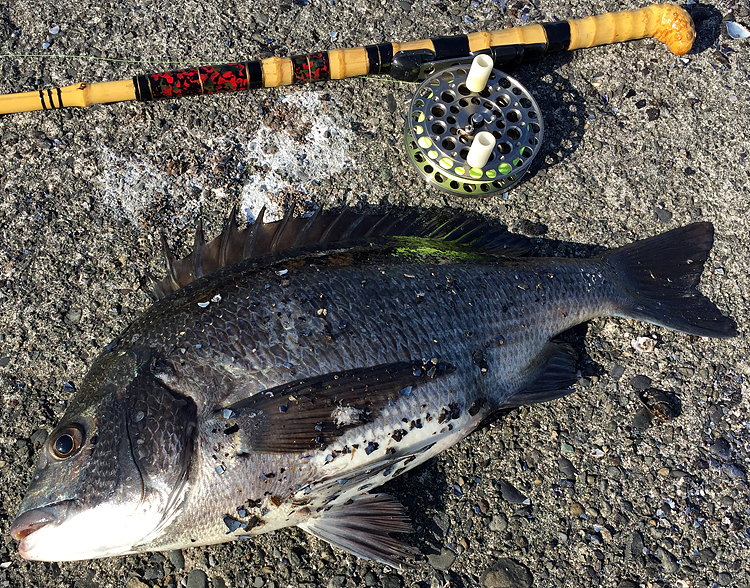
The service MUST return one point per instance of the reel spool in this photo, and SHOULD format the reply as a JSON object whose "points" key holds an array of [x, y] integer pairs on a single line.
{"points": [[445, 116]]}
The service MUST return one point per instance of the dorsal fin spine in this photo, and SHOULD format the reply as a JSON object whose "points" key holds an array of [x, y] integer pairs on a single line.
{"points": [[329, 230], [226, 237], [170, 261], [280, 230], [199, 242], [352, 227], [308, 225], [253, 231]]}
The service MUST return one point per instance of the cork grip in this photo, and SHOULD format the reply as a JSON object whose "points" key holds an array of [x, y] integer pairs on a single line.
{"points": [[667, 23]]}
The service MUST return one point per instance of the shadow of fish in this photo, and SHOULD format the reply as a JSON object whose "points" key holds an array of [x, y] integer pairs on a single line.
{"points": [[289, 368]]}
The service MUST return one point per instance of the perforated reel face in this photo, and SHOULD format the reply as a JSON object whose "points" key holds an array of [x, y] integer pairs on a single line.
{"points": [[444, 116]]}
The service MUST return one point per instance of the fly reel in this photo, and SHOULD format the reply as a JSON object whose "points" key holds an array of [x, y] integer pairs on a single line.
{"points": [[447, 120]]}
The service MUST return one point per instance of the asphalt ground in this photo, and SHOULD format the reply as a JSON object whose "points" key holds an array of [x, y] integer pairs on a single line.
{"points": [[637, 141]]}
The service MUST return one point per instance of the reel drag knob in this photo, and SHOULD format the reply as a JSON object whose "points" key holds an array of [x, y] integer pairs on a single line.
{"points": [[446, 118]]}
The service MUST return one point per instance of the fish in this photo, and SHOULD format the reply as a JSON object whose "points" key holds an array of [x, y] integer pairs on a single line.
{"points": [[288, 369]]}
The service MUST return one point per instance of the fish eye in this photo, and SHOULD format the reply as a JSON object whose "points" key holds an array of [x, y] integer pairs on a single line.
{"points": [[66, 442]]}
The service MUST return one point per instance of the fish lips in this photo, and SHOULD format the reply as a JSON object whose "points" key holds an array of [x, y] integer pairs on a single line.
{"points": [[29, 522]]}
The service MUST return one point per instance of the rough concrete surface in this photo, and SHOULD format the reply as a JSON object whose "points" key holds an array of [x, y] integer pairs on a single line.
{"points": [[586, 491]]}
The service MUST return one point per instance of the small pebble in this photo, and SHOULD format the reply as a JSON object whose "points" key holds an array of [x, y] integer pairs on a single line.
{"points": [[506, 573], [176, 558], [498, 523], [668, 560], [663, 215], [566, 468], [38, 437], [636, 544], [727, 501], [576, 509], [724, 579], [391, 101], [640, 382], [511, 494], [153, 573], [197, 579], [614, 472], [441, 561], [530, 228], [642, 419], [734, 471], [720, 449], [616, 372]]}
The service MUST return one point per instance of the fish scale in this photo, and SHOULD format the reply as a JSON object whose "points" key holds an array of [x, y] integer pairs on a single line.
{"points": [[282, 389]]}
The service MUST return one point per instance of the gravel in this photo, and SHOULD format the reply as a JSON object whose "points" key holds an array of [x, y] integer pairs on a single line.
{"points": [[86, 194]]}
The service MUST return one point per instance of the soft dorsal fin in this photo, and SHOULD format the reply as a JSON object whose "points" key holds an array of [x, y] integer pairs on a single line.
{"points": [[260, 238]]}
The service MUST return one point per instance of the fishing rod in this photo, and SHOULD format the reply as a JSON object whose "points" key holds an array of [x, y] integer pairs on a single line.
{"points": [[410, 61]]}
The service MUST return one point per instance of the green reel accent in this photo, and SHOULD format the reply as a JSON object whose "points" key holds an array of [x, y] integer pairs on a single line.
{"points": [[444, 116]]}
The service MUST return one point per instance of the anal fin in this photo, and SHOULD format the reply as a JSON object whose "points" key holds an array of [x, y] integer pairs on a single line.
{"points": [[363, 526], [552, 374]]}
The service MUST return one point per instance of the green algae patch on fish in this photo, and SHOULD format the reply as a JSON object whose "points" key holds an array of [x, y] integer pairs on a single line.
{"points": [[422, 247]]}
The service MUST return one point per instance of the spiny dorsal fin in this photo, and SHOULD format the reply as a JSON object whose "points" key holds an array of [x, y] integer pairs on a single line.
{"points": [[260, 238]]}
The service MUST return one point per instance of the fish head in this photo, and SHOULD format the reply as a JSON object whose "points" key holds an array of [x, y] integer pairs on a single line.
{"points": [[114, 473]]}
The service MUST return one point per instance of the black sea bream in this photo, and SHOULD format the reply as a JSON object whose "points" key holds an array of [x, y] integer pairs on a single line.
{"points": [[289, 369]]}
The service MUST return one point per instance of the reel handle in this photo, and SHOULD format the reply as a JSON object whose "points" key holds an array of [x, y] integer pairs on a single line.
{"points": [[667, 23]]}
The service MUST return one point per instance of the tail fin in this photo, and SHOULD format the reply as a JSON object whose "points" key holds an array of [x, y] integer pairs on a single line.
{"points": [[659, 277]]}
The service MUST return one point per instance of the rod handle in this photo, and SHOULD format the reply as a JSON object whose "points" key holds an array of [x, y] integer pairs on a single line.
{"points": [[667, 23]]}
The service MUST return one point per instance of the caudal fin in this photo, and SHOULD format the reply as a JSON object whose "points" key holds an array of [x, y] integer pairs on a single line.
{"points": [[659, 277]]}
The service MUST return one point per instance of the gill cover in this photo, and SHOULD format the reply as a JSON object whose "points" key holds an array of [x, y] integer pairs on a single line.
{"points": [[114, 472]]}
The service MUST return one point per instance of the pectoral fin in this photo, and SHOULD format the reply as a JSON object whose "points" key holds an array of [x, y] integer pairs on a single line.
{"points": [[311, 412], [363, 527]]}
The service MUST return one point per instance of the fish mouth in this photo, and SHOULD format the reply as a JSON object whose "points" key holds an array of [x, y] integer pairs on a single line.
{"points": [[29, 522]]}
